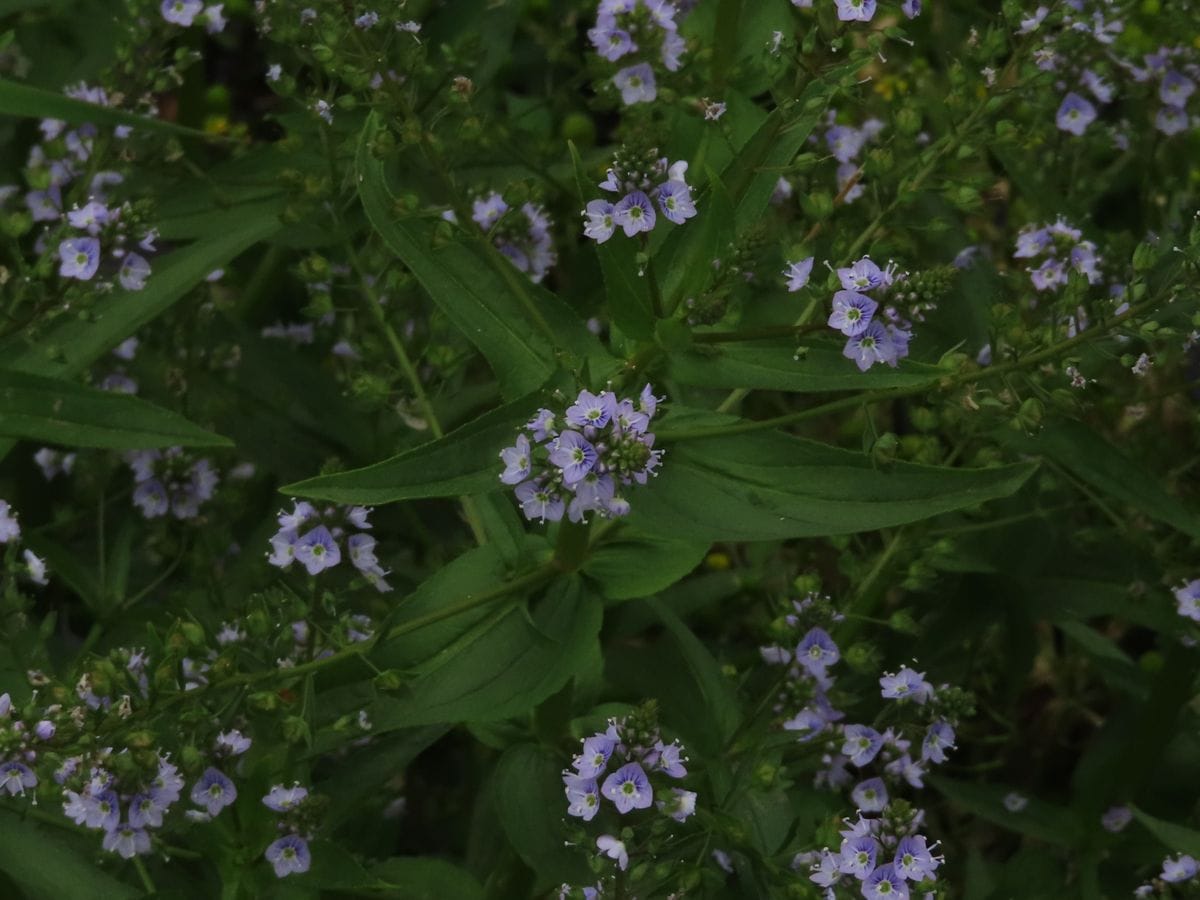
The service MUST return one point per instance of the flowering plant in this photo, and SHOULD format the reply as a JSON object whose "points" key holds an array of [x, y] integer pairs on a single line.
{"points": [[600, 448]]}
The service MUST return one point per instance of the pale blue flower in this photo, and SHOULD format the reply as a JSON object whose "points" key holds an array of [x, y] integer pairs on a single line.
{"points": [[914, 860], [181, 12], [855, 10], [636, 84], [862, 744], [79, 258], [284, 799], [213, 791], [852, 312], [675, 200], [289, 856], [516, 461], [317, 550], [126, 841], [614, 850], [798, 274], [1075, 114], [634, 213], [628, 788], [600, 224]]}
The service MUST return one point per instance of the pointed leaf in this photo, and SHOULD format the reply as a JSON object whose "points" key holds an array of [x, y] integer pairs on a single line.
{"points": [[71, 415], [768, 485], [776, 366], [465, 461]]}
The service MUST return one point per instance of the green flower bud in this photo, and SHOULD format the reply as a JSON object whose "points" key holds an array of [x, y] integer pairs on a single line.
{"points": [[294, 730]]}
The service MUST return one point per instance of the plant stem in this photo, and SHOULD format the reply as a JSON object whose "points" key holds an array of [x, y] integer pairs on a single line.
{"points": [[900, 393]]}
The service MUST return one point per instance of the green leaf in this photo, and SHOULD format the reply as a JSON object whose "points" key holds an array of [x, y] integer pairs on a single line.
{"points": [[465, 461], [518, 327], [627, 290], [71, 415], [47, 867], [355, 785], [1092, 459], [506, 665], [767, 486], [1038, 819], [1177, 837], [334, 868], [1061, 599], [638, 565], [18, 99], [529, 801], [776, 366], [421, 878], [716, 704]]}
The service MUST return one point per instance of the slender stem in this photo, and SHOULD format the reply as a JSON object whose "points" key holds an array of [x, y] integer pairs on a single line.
{"points": [[147, 881], [572, 546], [900, 393], [765, 333], [399, 351], [656, 300], [867, 597], [375, 310]]}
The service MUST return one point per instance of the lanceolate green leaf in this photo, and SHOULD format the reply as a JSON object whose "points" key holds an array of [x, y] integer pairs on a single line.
{"points": [[501, 669], [47, 867], [776, 366], [466, 461], [18, 99], [418, 878], [528, 782], [68, 414], [767, 486], [1038, 819], [1089, 457], [518, 328], [717, 700], [1178, 838], [639, 565]]}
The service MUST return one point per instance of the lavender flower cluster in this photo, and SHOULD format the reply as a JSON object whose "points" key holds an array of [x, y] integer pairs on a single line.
{"points": [[846, 143], [887, 856], [1182, 869], [1093, 67], [1187, 600], [171, 481], [186, 13], [289, 853], [872, 336], [123, 794], [634, 748], [61, 167], [32, 566], [633, 175], [883, 850], [305, 537], [579, 462], [527, 244], [127, 794], [862, 10], [638, 29], [1062, 249]]}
